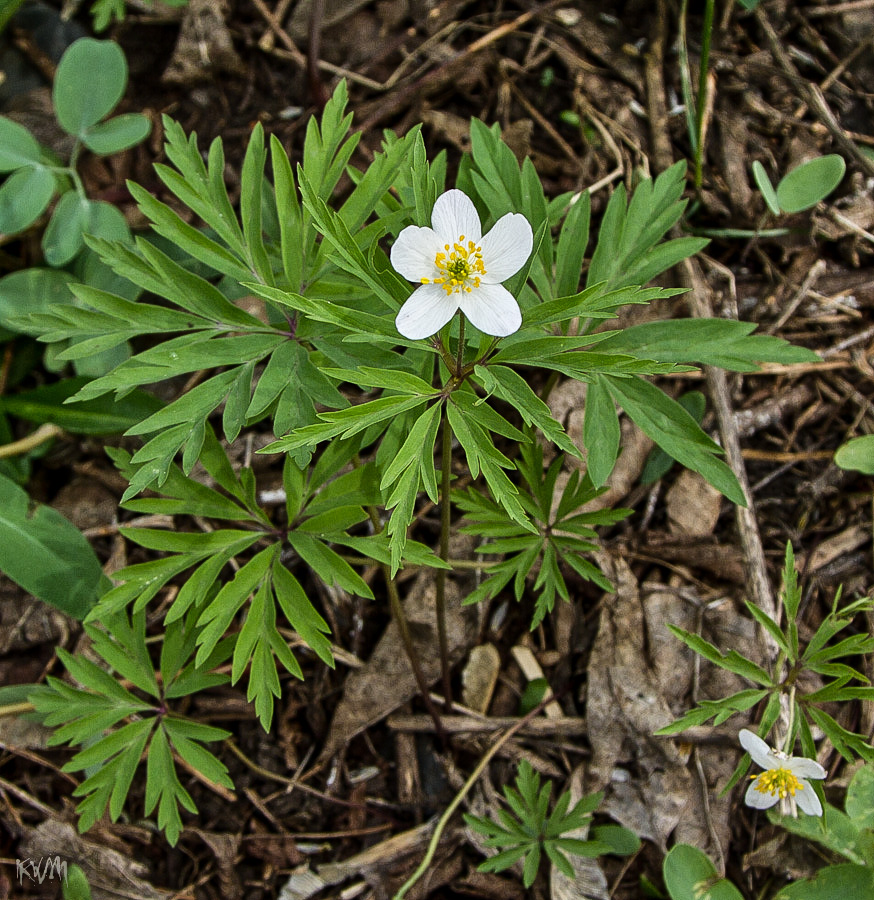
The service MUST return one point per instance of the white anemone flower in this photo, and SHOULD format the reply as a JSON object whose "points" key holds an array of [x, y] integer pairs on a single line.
{"points": [[459, 268], [784, 779]]}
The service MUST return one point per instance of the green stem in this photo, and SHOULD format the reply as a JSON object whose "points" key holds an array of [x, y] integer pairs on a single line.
{"points": [[551, 382], [459, 362], [397, 611], [440, 581], [789, 743]]}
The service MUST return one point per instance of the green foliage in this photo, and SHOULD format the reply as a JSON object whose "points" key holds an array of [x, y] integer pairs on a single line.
{"points": [[355, 408], [104, 12], [530, 830], [659, 463], [46, 554], [211, 331], [847, 834], [845, 880], [116, 725], [262, 585], [100, 416], [857, 454], [690, 875], [564, 535], [90, 80], [802, 187], [631, 249], [75, 886], [822, 655]]}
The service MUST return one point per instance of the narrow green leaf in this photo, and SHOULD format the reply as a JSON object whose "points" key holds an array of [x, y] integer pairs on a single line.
{"points": [[572, 241], [673, 429], [767, 189], [600, 432]]}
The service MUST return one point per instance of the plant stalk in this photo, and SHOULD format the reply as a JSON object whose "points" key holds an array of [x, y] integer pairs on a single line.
{"points": [[397, 611], [440, 581]]}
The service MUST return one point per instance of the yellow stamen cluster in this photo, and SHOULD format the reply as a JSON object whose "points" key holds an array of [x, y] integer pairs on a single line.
{"points": [[778, 781], [461, 266]]}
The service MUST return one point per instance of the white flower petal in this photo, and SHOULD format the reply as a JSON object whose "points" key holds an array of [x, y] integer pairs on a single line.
{"points": [[807, 800], [758, 750], [425, 312], [802, 767], [414, 251], [506, 247], [454, 215], [759, 799], [492, 309]]}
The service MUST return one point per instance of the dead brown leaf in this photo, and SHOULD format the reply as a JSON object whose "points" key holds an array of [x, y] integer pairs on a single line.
{"points": [[479, 677], [110, 873], [692, 505], [204, 48], [640, 679]]}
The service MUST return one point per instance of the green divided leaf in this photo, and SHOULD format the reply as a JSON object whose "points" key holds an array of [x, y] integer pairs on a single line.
{"points": [[629, 251], [726, 343], [732, 661], [564, 534], [527, 830]]}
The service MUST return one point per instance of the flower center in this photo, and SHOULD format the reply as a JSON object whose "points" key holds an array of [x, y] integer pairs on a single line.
{"points": [[778, 781], [460, 267]]}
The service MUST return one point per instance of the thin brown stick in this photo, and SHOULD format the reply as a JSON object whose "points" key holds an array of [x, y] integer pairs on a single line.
{"points": [[440, 579], [436, 78], [812, 95], [748, 528], [567, 726]]}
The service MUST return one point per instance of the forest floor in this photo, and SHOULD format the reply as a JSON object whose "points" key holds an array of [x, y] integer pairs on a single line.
{"points": [[337, 801]]}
